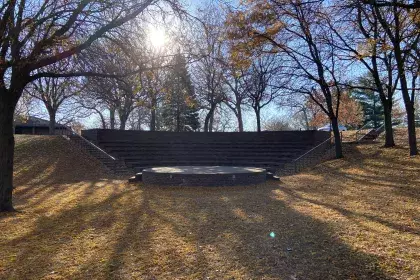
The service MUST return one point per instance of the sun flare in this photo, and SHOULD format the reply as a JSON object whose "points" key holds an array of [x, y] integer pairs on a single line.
{"points": [[157, 37]]}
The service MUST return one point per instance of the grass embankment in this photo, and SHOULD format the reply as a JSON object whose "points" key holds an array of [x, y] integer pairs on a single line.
{"points": [[355, 218]]}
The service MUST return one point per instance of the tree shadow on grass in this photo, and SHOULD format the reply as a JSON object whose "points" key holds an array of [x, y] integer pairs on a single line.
{"points": [[54, 160], [53, 234], [113, 232], [194, 233], [109, 231], [348, 213], [381, 181], [380, 167], [44, 165], [233, 226]]}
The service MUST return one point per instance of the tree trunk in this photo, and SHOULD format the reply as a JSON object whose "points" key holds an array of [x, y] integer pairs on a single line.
{"points": [[112, 118], [208, 118], [411, 126], [178, 119], [258, 116], [239, 116], [52, 123], [153, 115], [123, 121], [102, 120], [337, 138], [409, 107], [7, 145], [211, 122], [158, 120], [409, 104], [375, 120], [389, 133], [305, 115], [153, 120]]}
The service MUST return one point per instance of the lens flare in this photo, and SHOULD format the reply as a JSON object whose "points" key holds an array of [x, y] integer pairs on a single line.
{"points": [[157, 37]]}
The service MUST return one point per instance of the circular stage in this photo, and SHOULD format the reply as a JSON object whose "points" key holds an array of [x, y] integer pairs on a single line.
{"points": [[203, 175]]}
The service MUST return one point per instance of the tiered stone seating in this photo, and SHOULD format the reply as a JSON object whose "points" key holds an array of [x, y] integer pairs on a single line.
{"points": [[269, 150]]}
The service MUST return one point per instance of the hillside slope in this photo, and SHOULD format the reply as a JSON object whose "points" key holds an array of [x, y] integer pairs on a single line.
{"points": [[353, 218], [52, 159]]}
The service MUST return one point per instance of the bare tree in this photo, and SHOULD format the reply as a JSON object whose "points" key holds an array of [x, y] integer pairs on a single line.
{"points": [[120, 93], [299, 31], [208, 70], [54, 93], [153, 86], [414, 4], [234, 78], [222, 120], [154, 61], [402, 31], [23, 108], [88, 101], [99, 97], [38, 33], [139, 118], [301, 116], [263, 84], [368, 45], [277, 124]]}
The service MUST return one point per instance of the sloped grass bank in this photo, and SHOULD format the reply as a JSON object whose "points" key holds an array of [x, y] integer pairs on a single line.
{"points": [[354, 218]]}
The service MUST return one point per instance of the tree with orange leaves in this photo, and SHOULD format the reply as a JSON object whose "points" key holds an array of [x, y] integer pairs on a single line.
{"points": [[350, 112], [297, 30]]}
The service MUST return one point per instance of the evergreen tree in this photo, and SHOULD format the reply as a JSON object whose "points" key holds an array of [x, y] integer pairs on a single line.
{"points": [[180, 107], [370, 100]]}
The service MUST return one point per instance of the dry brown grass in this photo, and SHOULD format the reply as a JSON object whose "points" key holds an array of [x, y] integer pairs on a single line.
{"points": [[348, 136], [355, 218]]}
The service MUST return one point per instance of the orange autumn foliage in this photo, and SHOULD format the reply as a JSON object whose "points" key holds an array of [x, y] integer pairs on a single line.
{"points": [[350, 112]]}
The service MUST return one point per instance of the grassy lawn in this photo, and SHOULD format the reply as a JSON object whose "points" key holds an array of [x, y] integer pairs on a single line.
{"points": [[355, 218]]}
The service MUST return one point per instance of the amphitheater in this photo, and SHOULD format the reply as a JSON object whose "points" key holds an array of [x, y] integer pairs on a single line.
{"points": [[185, 158]]}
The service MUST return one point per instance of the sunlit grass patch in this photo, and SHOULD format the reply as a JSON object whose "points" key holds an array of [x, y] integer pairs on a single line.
{"points": [[353, 218]]}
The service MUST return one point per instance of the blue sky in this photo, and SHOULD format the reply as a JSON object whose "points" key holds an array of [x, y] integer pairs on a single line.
{"points": [[270, 111]]}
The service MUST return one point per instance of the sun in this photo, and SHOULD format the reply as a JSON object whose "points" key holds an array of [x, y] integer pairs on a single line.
{"points": [[157, 37]]}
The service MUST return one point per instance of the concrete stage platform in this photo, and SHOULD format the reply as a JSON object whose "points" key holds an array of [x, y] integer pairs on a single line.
{"points": [[203, 176]]}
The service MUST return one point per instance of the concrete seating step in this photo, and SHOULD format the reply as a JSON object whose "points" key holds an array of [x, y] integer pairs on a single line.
{"points": [[126, 156], [206, 144], [210, 159], [204, 151], [202, 142], [204, 163]]}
